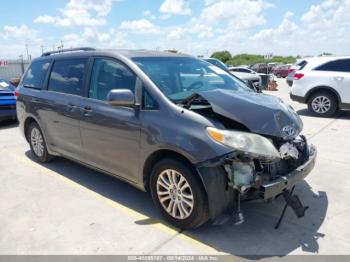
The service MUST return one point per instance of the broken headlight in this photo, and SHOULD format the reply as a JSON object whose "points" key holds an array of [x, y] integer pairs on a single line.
{"points": [[246, 142]]}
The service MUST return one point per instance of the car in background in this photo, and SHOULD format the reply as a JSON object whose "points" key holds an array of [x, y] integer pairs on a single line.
{"points": [[299, 65], [262, 68], [281, 70], [253, 81], [216, 62], [7, 100], [324, 85], [242, 69], [246, 74]]}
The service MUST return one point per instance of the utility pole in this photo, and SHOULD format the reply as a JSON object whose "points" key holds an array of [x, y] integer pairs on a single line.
{"points": [[22, 64], [42, 49], [28, 58]]}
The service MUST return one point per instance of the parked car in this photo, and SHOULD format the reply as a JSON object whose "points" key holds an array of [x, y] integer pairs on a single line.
{"points": [[252, 80], [323, 84], [216, 62], [281, 71], [188, 132], [299, 65], [241, 70], [7, 100], [247, 74], [262, 68]]}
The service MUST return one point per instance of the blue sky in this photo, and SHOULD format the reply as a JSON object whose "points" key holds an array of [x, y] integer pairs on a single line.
{"points": [[198, 27]]}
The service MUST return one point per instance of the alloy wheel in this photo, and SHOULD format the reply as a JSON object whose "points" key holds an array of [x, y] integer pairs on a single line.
{"points": [[321, 104], [175, 194], [37, 141]]}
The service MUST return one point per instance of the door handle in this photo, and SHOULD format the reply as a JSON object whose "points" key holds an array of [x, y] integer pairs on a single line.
{"points": [[339, 78], [70, 107], [87, 110]]}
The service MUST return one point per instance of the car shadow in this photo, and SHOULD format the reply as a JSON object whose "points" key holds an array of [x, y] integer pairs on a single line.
{"points": [[255, 239], [344, 114]]}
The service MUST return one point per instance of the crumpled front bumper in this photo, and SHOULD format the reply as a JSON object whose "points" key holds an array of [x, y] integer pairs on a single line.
{"points": [[274, 188]]}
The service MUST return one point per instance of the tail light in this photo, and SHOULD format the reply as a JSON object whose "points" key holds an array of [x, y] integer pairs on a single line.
{"points": [[298, 76], [16, 93], [290, 70]]}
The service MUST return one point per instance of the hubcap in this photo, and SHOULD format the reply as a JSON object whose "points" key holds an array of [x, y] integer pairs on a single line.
{"points": [[37, 142], [175, 194], [321, 104]]}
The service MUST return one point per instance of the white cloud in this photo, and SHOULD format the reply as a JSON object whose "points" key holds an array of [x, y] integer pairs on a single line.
{"points": [[175, 7], [22, 32], [238, 14], [323, 28], [176, 34], [14, 39], [80, 13], [141, 26], [110, 38]]}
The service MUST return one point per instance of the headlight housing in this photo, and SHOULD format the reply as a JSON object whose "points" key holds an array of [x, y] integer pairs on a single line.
{"points": [[246, 142]]}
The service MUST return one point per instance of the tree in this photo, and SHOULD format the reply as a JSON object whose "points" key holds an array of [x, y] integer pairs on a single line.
{"points": [[223, 56]]}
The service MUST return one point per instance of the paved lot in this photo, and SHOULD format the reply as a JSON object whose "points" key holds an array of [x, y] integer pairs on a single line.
{"points": [[64, 208]]}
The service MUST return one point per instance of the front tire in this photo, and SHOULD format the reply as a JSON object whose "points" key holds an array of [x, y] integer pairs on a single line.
{"points": [[179, 194], [37, 143], [322, 104]]}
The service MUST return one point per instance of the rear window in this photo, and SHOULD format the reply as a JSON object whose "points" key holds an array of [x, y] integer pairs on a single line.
{"points": [[301, 64], [342, 65], [67, 76], [35, 75]]}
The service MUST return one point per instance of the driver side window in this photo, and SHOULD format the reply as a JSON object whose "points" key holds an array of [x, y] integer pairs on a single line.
{"points": [[107, 75]]}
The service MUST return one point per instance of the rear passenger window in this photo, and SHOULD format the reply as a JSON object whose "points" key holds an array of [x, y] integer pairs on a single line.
{"points": [[107, 75], [67, 76], [342, 65], [35, 75]]}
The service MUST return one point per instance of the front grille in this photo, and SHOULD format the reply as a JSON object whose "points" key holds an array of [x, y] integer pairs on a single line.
{"points": [[281, 167]]}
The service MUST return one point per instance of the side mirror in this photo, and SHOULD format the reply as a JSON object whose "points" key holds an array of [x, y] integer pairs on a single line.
{"points": [[121, 97]]}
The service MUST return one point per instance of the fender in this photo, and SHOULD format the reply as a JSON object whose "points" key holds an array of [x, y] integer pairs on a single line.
{"points": [[327, 88]]}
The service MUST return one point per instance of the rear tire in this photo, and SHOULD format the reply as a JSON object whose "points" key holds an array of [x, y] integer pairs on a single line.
{"points": [[179, 194], [37, 143], [322, 104]]}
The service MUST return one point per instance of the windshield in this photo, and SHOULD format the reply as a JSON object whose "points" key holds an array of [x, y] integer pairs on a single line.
{"points": [[180, 77]]}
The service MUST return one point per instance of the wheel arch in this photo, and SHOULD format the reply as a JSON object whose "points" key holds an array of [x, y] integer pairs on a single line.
{"points": [[325, 89], [29, 120], [159, 155]]}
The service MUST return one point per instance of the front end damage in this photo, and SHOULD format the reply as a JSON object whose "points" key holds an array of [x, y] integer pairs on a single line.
{"points": [[235, 177], [250, 174]]}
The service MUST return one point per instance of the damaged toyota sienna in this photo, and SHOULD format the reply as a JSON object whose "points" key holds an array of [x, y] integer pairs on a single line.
{"points": [[199, 140]]}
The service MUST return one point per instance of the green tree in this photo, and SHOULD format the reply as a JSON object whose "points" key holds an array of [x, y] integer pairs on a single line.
{"points": [[223, 56]]}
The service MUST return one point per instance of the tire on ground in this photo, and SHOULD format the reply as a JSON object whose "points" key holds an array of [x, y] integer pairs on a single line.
{"points": [[200, 212], [45, 157], [333, 104]]}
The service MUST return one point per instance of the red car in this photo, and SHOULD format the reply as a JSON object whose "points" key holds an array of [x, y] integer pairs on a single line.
{"points": [[281, 71]]}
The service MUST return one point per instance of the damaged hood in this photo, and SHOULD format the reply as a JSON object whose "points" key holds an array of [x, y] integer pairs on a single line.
{"points": [[260, 113]]}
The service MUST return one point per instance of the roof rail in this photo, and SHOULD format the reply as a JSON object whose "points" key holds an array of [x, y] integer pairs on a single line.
{"points": [[68, 50]]}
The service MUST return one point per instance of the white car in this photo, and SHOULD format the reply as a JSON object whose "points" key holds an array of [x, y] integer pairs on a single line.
{"points": [[323, 84], [246, 74]]}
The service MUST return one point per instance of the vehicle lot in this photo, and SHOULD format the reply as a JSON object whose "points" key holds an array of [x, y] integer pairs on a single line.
{"points": [[64, 208]]}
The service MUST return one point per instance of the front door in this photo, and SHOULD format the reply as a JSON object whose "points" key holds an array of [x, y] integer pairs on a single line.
{"points": [[111, 134]]}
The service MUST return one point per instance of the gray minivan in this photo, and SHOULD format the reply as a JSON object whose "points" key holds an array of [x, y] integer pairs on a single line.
{"points": [[195, 137]]}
